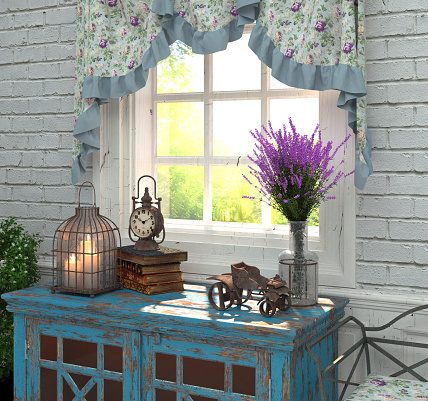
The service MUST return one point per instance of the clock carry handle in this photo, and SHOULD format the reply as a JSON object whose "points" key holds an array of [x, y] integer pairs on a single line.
{"points": [[163, 236], [138, 189], [80, 190]]}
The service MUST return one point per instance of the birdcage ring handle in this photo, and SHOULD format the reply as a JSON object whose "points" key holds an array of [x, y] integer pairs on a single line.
{"points": [[80, 190]]}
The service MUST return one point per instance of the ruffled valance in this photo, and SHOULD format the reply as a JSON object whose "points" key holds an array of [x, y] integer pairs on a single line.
{"points": [[308, 45]]}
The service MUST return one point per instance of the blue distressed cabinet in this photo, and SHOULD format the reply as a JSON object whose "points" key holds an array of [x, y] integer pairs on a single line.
{"points": [[170, 347]]}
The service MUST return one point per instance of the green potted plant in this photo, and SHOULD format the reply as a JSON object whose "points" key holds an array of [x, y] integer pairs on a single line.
{"points": [[18, 269]]}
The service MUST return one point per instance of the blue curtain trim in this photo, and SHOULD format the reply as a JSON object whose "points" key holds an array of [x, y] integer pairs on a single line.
{"points": [[347, 79], [104, 88]]}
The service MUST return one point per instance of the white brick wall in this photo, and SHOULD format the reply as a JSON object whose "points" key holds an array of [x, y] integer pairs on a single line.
{"points": [[36, 105], [36, 113], [392, 214]]}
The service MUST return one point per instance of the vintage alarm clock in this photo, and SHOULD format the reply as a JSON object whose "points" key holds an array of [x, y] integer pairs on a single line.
{"points": [[146, 220]]}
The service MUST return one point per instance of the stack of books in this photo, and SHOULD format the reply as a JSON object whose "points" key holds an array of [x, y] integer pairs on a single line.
{"points": [[151, 272]]}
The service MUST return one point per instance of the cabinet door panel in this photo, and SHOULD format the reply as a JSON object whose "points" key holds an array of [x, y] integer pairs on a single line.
{"points": [[76, 361], [196, 371]]}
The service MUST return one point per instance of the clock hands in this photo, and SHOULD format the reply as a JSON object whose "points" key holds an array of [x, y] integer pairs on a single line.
{"points": [[144, 222]]}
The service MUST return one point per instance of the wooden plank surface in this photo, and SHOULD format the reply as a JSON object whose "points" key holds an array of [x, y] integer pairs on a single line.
{"points": [[186, 313]]}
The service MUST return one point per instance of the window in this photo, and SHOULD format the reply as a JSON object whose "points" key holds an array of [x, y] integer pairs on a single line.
{"points": [[179, 130]]}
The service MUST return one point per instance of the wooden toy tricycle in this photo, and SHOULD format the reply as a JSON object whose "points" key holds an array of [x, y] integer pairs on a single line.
{"points": [[240, 284]]}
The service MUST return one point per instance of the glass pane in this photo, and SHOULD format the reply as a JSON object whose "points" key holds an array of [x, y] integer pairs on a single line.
{"points": [[164, 395], [180, 129], [228, 188], [80, 380], [80, 353], [200, 398], [182, 71], [304, 113], [233, 121], [113, 358], [236, 68], [182, 191], [67, 392], [314, 218], [166, 367], [113, 390], [244, 380], [92, 394], [48, 387], [277, 217], [202, 373], [48, 348]]}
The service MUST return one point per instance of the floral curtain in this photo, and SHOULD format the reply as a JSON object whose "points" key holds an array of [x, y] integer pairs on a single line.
{"points": [[316, 45]]}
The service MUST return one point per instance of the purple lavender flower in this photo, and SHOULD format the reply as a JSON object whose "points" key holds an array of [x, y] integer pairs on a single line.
{"points": [[103, 43], [320, 25], [112, 3], [152, 38], [271, 15], [347, 47], [293, 172], [134, 20], [131, 64], [233, 11], [182, 13], [289, 53], [295, 6], [378, 382]]}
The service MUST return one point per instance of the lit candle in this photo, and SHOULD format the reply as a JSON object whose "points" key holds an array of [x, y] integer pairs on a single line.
{"points": [[90, 263], [72, 267]]}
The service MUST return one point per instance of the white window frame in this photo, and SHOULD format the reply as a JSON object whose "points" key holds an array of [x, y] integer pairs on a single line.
{"points": [[127, 152]]}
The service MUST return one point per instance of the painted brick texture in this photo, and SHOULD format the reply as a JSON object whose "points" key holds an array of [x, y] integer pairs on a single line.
{"points": [[36, 113], [392, 214]]}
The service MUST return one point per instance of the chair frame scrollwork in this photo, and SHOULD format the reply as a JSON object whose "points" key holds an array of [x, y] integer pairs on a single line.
{"points": [[363, 348]]}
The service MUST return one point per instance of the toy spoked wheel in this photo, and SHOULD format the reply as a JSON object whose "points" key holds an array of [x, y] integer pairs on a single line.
{"points": [[243, 295], [220, 296], [267, 308], [284, 302]]}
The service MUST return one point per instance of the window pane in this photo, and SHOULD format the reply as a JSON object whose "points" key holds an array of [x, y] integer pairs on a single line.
{"points": [[228, 188], [182, 71], [233, 121], [182, 191], [180, 129], [275, 84], [304, 112], [236, 68]]}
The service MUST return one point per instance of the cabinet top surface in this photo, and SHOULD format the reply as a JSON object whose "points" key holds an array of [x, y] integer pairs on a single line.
{"points": [[186, 312]]}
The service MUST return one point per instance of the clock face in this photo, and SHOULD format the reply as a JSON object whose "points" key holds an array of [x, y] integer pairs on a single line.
{"points": [[142, 223]]}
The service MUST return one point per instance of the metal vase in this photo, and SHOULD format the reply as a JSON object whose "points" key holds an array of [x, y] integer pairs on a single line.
{"points": [[299, 266]]}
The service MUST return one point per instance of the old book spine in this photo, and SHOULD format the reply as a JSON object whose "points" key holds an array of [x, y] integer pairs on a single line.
{"points": [[151, 278], [150, 269], [154, 288], [177, 256]]}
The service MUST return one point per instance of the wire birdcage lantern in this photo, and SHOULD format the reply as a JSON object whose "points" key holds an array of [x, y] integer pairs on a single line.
{"points": [[85, 253]]}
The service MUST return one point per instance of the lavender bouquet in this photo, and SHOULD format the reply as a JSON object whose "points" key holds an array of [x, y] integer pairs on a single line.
{"points": [[293, 172]]}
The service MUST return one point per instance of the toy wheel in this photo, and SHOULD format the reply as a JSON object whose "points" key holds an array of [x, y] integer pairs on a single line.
{"points": [[220, 296], [243, 295], [267, 308], [284, 302]]}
